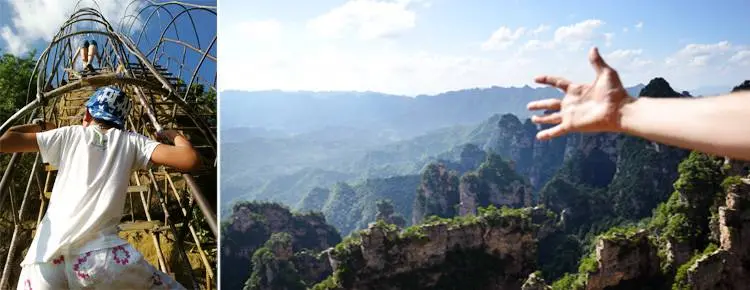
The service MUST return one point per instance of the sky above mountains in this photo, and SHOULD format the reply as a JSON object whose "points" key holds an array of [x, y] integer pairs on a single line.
{"points": [[429, 46]]}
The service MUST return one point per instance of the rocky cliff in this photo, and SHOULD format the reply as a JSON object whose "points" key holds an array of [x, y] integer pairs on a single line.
{"points": [[495, 182], [624, 259], [727, 267], [515, 141], [494, 250], [437, 193], [251, 226]]}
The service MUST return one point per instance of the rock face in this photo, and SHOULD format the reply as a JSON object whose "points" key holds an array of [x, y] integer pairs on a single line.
{"points": [[728, 267], [252, 224], [742, 87], [272, 265], [442, 193], [495, 183], [437, 193], [496, 250], [312, 266], [622, 258], [516, 142], [535, 282]]}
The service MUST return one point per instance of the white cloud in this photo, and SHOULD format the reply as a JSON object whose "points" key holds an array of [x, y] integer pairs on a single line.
{"points": [[741, 57], [627, 60], [502, 38], [580, 31], [639, 25], [259, 30], [575, 37], [705, 64], [13, 43], [406, 68], [34, 20], [699, 54], [539, 30], [367, 19], [580, 34], [624, 54]]}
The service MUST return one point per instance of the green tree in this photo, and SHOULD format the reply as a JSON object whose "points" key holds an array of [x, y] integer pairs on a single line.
{"points": [[15, 76]]}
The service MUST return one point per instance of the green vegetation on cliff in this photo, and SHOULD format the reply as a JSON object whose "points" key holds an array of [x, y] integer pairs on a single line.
{"points": [[467, 263], [280, 239]]}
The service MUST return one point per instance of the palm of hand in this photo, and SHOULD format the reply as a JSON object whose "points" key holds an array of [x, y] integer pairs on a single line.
{"points": [[585, 107]]}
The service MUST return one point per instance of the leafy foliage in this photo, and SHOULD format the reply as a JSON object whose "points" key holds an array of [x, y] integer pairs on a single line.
{"points": [[680, 280], [685, 216], [15, 77], [253, 226]]}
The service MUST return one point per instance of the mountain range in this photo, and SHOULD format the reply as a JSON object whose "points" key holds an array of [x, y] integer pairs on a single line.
{"points": [[299, 140]]}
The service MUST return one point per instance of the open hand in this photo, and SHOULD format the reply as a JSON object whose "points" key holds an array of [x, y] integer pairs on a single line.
{"points": [[591, 107]]}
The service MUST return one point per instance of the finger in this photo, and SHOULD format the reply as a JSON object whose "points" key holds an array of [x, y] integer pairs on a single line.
{"points": [[597, 61], [554, 118], [548, 104], [557, 82], [550, 133]]}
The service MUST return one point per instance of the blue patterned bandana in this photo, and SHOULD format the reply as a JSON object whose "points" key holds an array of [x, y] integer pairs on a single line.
{"points": [[109, 104]]}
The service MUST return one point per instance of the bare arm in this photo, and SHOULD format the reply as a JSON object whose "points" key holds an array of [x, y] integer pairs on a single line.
{"points": [[181, 156], [717, 125], [22, 138]]}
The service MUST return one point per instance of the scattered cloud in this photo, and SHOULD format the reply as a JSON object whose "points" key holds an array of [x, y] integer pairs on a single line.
{"points": [[575, 37], [539, 30], [700, 54], [580, 34], [403, 67], [366, 19], [627, 60], [741, 57], [624, 54], [503, 38], [27, 24], [13, 43]]}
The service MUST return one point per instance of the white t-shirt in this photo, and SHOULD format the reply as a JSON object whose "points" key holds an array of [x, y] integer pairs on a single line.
{"points": [[89, 193]]}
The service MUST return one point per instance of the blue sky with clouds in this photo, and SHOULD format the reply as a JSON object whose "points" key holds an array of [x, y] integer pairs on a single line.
{"points": [[430, 46], [28, 25]]}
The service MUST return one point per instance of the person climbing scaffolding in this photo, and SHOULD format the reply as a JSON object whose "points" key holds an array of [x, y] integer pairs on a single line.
{"points": [[88, 51], [76, 245], [715, 125]]}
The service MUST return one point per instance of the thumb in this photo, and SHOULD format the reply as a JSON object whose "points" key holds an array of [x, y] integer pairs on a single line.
{"points": [[597, 61]]}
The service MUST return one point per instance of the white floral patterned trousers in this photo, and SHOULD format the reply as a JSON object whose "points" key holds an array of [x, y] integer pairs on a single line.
{"points": [[121, 267]]}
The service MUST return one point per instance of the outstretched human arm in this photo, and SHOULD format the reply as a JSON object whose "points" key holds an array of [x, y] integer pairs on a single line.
{"points": [[180, 156], [715, 125], [22, 138]]}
